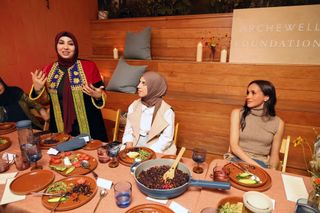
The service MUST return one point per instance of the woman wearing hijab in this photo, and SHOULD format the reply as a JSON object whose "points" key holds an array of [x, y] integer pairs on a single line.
{"points": [[75, 91], [150, 120], [15, 106]]}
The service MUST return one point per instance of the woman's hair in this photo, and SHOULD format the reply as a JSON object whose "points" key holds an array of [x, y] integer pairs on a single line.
{"points": [[267, 89]]}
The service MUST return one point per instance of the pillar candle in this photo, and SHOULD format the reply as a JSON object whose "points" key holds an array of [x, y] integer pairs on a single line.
{"points": [[199, 52], [223, 56], [115, 53]]}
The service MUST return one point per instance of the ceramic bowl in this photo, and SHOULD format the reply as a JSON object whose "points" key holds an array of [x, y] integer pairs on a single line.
{"points": [[257, 202]]}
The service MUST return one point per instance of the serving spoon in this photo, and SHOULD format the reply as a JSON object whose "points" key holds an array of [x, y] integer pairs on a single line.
{"points": [[86, 165], [171, 172]]}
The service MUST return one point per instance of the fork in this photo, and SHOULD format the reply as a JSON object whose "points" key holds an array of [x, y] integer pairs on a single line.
{"points": [[253, 176], [103, 193], [58, 203]]}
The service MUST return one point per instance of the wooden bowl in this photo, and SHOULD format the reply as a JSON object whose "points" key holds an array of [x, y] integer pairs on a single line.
{"points": [[232, 200]]}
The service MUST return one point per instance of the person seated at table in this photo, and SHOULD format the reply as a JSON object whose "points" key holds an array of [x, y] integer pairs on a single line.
{"points": [[15, 106], [255, 130], [74, 89], [150, 120]]}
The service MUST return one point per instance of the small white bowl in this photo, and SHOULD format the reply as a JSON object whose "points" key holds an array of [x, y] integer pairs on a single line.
{"points": [[257, 202]]}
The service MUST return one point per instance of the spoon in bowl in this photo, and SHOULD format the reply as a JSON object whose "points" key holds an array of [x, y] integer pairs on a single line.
{"points": [[86, 165]]}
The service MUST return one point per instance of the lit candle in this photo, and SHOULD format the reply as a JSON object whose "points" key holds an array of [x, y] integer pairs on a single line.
{"points": [[115, 53], [223, 56], [199, 52]]}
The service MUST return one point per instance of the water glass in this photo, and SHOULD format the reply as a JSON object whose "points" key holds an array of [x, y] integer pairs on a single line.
{"points": [[198, 156], [123, 193]]}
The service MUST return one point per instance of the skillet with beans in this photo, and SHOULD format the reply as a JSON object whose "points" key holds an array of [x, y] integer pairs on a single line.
{"points": [[153, 178]]}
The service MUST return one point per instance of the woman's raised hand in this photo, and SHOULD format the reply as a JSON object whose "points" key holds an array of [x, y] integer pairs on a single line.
{"points": [[39, 79], [93, 91]]}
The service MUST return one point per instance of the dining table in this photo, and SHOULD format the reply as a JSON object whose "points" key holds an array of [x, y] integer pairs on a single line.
{"points": [[189, 199], [211, 198]]}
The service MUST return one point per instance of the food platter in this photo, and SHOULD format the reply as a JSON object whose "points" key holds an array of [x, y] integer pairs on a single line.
{"points": [[7, 127], [234, 171], [57, 163], [242, 178], [33, 181], [128, 161], [4, 143], [150, 207], [78, 191], [52, 139], [93, 145]]}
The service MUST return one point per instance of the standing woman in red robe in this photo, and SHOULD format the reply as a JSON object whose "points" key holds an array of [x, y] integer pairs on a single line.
{"points": [[74, 89]]}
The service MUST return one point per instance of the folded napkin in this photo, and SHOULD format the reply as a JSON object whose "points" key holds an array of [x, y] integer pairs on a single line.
{"points": [[5, 176], [176, 207], [8, 196], [294, 187], [75, 143]]}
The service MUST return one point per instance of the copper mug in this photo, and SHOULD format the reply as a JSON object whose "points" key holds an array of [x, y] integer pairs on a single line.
{"points": [[220, 174], [21, 162]]}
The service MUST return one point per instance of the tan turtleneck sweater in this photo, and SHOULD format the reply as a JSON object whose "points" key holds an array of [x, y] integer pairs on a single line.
{"points": [[257, 136]]}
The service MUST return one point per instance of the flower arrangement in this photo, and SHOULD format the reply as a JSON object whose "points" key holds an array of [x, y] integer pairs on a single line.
{"points": [[313, 168], [214, 41], [314, 162]]}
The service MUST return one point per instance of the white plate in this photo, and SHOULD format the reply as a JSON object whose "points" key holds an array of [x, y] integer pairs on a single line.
{"points": [[257, 202]]}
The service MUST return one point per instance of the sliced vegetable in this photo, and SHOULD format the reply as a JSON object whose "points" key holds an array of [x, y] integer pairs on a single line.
{"points": [[247, 181], [57, 199], [70, 170]]}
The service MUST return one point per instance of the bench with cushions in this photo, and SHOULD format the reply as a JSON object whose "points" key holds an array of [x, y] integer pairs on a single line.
{"points": [[203, 94]]}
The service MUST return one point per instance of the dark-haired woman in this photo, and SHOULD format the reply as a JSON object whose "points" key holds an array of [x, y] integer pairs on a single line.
{"points": [[15, 106], [74, 89], [255, 131]]}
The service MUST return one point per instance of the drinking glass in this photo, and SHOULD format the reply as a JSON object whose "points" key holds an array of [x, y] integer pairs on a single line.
{"points": [[113, 154], [198, 156], [33, 154], [123, 193]]}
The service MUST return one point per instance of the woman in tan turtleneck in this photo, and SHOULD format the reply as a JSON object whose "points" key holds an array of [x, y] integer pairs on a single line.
{"points": [[255, 131]]}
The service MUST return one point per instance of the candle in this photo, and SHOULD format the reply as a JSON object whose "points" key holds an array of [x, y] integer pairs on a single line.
{"points": [[115, 53], [199, 52], [223, 56]]}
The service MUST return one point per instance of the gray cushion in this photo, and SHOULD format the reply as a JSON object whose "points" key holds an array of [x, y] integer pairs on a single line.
{"points": [[126, 77], [138, 44]]}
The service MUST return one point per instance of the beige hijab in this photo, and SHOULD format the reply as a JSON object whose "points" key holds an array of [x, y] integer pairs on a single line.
{"points": [[157, 88]]}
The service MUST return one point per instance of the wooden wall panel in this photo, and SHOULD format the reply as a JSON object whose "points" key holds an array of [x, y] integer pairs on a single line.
{"points": [[173, 38]]}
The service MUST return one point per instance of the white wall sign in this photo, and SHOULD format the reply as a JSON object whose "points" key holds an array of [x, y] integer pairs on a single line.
{"points": [[287, 35]]}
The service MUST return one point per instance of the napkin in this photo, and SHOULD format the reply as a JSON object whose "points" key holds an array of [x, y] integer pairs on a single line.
{"points": [[176, 207], [103, 183], [8, 196], [157, 200], [294, 187], [8, 157], [52, 151], [5, 176], [75, 143]]}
